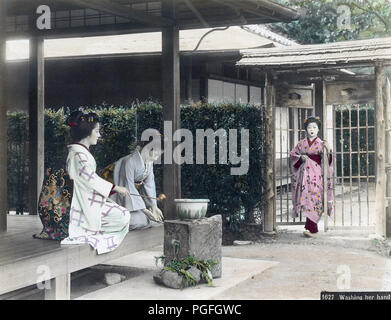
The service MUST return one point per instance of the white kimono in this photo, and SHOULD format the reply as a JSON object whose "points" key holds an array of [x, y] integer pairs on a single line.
{"points": [[129, 170], [93, 219]]}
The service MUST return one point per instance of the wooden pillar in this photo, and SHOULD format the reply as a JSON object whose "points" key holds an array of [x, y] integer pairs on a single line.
{"points": [[204, 78], [189, 79], [36, 121], [171, 108], [387, 115], [325, 158], [269, 221], [318, 92], [60, 288], [380, 154], [3, 123]]}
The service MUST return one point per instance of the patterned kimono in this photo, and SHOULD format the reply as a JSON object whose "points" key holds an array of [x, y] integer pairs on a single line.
{"points": [[129, 171], [94, 219], [54, 205], [307, 180]]}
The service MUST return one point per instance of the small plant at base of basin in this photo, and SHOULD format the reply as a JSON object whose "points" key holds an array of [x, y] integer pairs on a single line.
{"points": [[181, 267]]}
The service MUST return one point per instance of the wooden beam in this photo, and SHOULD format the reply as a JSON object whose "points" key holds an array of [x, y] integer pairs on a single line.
{"points": [[85, 31], [269, 220], [254, 9], [196, 12], [350, 92], [125, 12], [380, 223], [36, 121], [387, 116], [171, 109], [302, 68], [325, 158], [313, 77], [273, 7], [234, 8], [295, 96], [3, 123]]}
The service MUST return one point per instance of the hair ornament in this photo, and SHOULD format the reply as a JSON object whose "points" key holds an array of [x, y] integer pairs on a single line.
{"points": [[317, 118], [71, 124]]}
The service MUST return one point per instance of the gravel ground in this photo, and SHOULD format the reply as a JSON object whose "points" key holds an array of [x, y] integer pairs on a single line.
{"points": [[334, 261]]}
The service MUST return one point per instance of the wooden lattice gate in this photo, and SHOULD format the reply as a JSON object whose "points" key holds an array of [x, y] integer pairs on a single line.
{"points": [[354, 166]]}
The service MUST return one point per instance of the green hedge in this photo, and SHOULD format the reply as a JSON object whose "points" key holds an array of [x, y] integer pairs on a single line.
{"points": [[17, 178], [236, 197], [233, 196]]}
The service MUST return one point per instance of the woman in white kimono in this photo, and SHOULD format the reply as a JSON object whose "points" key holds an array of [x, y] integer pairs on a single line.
{"points": [[94, 218], [137, 168]]}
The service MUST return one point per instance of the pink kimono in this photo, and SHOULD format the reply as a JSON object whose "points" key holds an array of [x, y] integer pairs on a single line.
{"points": [[307, 180]]}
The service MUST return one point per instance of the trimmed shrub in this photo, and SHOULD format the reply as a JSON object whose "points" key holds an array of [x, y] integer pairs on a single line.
{"points": [[234, 196], [17, 161]]}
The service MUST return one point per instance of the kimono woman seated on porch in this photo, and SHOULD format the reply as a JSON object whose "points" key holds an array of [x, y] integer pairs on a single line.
{"points": [[93, 219], [135, 173], [307, 180]]}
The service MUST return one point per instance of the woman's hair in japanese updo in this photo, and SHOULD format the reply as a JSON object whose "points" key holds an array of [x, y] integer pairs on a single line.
{"points": [[81, 124], [310, 120]]}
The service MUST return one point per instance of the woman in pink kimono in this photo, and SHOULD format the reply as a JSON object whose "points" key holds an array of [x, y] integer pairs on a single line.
{"points": [[307, 180]]}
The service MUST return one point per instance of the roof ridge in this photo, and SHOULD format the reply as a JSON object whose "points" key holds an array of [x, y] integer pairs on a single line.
{"points": [[265, 32]]}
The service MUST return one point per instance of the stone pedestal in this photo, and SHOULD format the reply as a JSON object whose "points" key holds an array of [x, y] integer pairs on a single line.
{"points": [[199, 238]]}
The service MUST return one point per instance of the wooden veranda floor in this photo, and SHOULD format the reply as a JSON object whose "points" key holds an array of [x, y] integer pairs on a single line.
{"points": [[21, 255], [18, 242]]}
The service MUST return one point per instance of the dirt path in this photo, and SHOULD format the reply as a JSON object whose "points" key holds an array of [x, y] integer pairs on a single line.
{"points": [[308, 266]]}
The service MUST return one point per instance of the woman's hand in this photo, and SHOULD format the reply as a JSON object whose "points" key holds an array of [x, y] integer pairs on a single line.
{"points": [[304, 157], [122, 191], [154, 216], [158, 213]]}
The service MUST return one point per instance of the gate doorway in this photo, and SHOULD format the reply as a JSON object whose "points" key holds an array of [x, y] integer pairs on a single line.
{"points": [[350, 130], [295, 103], [289, 130], [354, 177]]}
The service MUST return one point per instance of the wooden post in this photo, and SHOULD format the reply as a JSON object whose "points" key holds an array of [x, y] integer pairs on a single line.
{"points": [[380, 157], [36, 121], [325, 159], [60, 288], [387, 113], [318, 99], [269, 223], [171, 108], [3, 123], [189, 79]]}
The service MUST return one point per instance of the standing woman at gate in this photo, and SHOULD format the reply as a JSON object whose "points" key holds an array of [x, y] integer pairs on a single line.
{"points": [[93, 218], [307, 179]]}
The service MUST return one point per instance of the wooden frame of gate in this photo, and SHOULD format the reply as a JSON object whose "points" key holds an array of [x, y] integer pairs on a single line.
{"points": [[325, 66]]}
